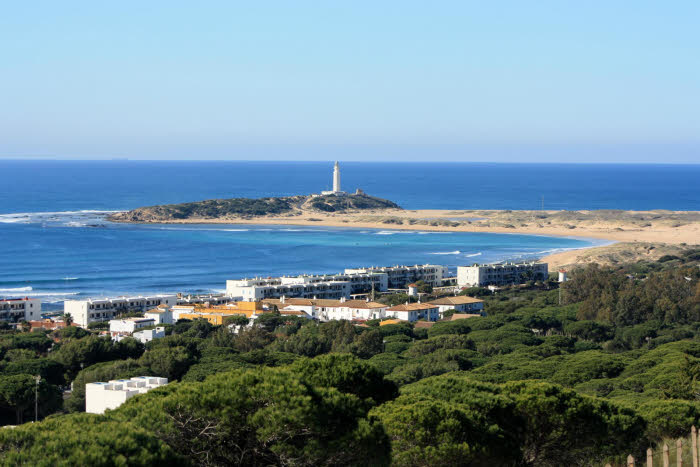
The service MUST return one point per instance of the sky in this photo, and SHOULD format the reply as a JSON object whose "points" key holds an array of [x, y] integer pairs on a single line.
{"points": [[543, 81]]}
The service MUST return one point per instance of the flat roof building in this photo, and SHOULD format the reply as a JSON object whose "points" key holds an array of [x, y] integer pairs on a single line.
{"points": [[101, 396], [20, 309], [335, 286], [91, 310], [501, 274], [398, 277]]}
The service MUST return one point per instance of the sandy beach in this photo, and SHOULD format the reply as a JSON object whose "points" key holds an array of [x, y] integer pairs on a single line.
{"points": [[633, 234]]}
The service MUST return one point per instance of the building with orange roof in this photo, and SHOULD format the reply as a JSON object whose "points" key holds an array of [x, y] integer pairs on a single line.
{"points": [[49, 324], [390, 321], [215, 313], [328, 310], [460, 303], [414, 311]]}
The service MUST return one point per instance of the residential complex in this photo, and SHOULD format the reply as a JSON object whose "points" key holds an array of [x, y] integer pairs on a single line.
{"points": [[398, 277], [361, 310], [216, 314], [323, 297], [326, 310], [89, 311], [102, 396], [301, 286], [20, 309], [500, 274], [335, 286]]}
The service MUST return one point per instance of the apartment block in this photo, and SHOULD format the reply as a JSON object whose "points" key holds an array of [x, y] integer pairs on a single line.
{"points": [[398, 277], [90, 310], [500, 274], [20, 309]]}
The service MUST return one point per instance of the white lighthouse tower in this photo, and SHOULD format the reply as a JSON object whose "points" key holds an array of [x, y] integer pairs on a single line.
{"points": [[336, 182], [336, 178]]}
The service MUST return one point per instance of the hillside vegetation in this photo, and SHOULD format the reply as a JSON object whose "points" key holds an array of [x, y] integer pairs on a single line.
{"points": [[246, 208], [582, 375]]}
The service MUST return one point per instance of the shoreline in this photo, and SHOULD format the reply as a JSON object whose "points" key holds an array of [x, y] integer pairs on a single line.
{"points": [[631, 235], [611, 231]]}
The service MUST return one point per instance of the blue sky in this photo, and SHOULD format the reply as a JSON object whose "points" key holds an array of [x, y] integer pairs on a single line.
{"points": [[595, 81]]}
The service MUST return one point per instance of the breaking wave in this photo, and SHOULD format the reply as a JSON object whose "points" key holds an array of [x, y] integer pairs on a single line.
{"points": [[82, 218], [17, 289]]}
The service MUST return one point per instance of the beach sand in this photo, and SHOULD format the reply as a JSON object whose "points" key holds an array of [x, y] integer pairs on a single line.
{"points": [[633, 234]]}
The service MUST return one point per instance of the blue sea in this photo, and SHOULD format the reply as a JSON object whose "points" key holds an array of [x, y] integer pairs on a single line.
{"points": [[55, 243]]}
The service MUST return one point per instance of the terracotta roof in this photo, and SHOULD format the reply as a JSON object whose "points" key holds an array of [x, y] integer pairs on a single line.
{"points": [[293, 312], [297, 301], [458, 300], [412, 285], [325, 303], [412, 307], [390, 321], [362, 304], [287, 301], [457, 316]]}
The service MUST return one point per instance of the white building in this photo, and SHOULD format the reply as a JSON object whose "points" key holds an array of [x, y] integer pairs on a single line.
{"points": [[460, 303], [129, 325], [89, 311], [322, 286], [102, 396], [20, 309], [211, 299], [161, 314], [413, 312], [326, 310], [353, 310], [149, 334], [500, 274], [334, 286], [398, 277]]}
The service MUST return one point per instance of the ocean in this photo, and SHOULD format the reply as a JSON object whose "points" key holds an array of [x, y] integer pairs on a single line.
{"points": [[55, 243]]}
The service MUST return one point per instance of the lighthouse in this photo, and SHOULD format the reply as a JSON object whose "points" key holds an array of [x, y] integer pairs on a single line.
{"points": [[336, 178]]}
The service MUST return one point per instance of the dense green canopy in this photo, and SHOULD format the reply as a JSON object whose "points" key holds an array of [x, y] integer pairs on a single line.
{"points": [[611, 370]]}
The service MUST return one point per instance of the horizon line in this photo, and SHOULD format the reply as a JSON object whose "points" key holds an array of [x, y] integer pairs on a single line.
{"points": [[373, 161]]}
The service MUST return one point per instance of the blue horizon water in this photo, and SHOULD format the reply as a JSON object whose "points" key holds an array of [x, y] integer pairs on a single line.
{"points": [[70, 185], [54, 247]]}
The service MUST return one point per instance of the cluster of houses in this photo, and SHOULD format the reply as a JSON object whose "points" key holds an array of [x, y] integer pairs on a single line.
{"points": [[324, 297], [318, 309]]}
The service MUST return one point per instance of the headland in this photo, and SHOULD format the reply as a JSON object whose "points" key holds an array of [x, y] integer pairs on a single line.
{"points": [[634, 235]]}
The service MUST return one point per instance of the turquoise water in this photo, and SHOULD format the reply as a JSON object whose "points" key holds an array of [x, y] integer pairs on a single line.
{"points": [[62, 258], [55, 244]]}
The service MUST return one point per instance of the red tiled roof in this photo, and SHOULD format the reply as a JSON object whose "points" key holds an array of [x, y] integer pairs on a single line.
{"points": [[458, 300], [412, 307]]}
